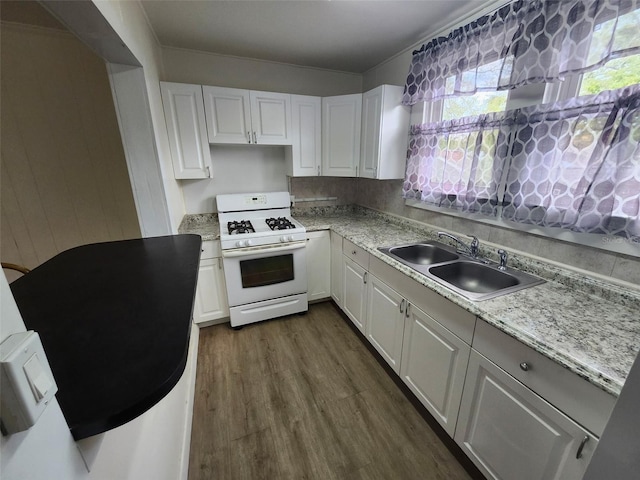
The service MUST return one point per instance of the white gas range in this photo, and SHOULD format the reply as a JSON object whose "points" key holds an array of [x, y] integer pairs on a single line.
{"points": [[263, 250]]}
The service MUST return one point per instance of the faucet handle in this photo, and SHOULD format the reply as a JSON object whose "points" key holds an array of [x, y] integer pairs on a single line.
{"points": [[504, 257]]}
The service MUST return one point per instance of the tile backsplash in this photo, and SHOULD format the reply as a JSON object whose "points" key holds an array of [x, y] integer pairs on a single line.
{"points": [[386, 196]]}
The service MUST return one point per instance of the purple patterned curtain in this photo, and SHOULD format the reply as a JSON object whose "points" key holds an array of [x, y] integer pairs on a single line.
{"points": [[524, 42], [458, 163], [576, 164]]}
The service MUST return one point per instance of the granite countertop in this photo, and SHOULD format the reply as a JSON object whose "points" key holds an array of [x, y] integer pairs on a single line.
{"points": [[114, 319], [586, 325]]}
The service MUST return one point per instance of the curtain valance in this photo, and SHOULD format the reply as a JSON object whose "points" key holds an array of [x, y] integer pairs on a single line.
{"points": [[521, 43]]}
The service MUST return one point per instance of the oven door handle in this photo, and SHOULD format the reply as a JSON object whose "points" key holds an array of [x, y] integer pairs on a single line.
{"points": [[241, 252]]}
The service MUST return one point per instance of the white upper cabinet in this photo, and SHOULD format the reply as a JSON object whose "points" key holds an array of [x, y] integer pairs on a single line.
{"points": [[341, 124], [239, 116], [186, 127], [271, 118], [228, 115], [304, 157], [385, 132]]}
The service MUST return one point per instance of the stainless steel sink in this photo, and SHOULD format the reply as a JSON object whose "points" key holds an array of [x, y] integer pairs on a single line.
{"points": [[423, 253], [472, 278]]}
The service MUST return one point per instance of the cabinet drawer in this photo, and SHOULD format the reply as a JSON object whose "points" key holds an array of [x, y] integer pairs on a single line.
{"points": [[447, 313], [587, 404], [210, 249], [355, 253]]}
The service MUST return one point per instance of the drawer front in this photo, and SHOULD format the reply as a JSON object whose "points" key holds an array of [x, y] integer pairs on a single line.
{"points": [[210, 249], [444, 311], [355, 253], [584, 402]]}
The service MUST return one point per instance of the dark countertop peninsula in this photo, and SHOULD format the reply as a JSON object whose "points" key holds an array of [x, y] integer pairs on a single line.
{"points": [[114, 319]]}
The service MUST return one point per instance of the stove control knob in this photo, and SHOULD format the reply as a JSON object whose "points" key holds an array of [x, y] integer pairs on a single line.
{"points": [[283, 238], [291, 238], [248, 243], [239, 243]]}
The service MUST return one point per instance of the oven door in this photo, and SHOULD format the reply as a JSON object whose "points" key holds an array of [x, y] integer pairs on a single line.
{"points": [[262, 273]]}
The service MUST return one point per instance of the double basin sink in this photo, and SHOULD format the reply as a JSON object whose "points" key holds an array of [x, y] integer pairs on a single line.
{"points": [[475, 279]]}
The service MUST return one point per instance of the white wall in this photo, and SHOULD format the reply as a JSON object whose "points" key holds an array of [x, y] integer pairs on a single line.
{"points": [[47, 449], [237, 169], [130, 23], [189, 66]]}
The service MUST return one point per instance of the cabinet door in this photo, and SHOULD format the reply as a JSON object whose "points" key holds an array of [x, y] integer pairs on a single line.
{"points": [[355, 293], [434, 363], [370, 147], [318, 269], [511, 433], [337, 264], [304, 158], [341, 123], [271, 118], [211, 294], [228, 115], [385, 133], [186, 127], [385, 321]]}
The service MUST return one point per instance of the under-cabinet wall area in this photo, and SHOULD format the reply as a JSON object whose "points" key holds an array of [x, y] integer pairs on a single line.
{"points": [[64, 175]]}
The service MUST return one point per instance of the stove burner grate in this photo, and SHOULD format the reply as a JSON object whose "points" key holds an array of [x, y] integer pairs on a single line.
{"points": [[240, 226], [280, 223]]}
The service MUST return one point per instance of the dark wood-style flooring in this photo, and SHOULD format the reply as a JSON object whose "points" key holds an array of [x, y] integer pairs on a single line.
{"points": [[301, 397]]}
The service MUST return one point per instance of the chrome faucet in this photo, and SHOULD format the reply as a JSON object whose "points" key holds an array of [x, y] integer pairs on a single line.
{"points": [[504, 256], [471, 249]]}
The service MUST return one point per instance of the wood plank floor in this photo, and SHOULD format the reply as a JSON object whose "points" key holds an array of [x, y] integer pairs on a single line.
{"points": [[301, 397]]}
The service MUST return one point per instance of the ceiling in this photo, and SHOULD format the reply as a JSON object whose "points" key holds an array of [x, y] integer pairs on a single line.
{"points": [[348, 36]]}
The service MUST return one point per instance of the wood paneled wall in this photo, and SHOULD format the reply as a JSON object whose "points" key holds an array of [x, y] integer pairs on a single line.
{"points": [[64, 177]]}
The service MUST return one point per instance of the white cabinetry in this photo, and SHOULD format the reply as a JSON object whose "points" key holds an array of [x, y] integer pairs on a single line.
{"points": [[385, 322], [341, 125], [245, 116], [434, 364], [186, 127], [337, 266], [355, 278], [511, 433], [318, 269], [211, 306], [385, 132], [304, 158]]}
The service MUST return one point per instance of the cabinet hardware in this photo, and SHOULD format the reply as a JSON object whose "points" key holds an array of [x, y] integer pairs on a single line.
{"points": [[249, 137], [525, 366], [402, 306], [208, 171], [406, 314], [255, 140], [219, 263], [318, 170], [356, 170], [365, 277], [581, 447], [353, 252]]}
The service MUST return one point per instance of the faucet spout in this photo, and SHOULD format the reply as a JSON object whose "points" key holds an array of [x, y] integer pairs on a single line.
{"points": [[471, 249]]}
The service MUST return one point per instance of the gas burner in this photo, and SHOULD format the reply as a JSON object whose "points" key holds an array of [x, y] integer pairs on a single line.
{"points": [[280, 223], [240, 226]]}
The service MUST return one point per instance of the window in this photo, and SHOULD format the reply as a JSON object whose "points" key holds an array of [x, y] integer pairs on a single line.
{"points": [[569, 160]]}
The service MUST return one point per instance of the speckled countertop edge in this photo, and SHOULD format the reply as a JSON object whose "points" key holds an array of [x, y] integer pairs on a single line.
{"points": [[582, 323]]}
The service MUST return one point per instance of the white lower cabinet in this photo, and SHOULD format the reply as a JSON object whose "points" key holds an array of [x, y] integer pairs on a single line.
{"points": [[355, 293], [511, 433], [337, 265], [318, 269], [434, 364], [211, 305], [385, 322]]}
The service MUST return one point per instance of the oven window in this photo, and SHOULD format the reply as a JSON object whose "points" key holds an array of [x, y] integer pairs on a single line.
{"points": [[266, 271]]}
